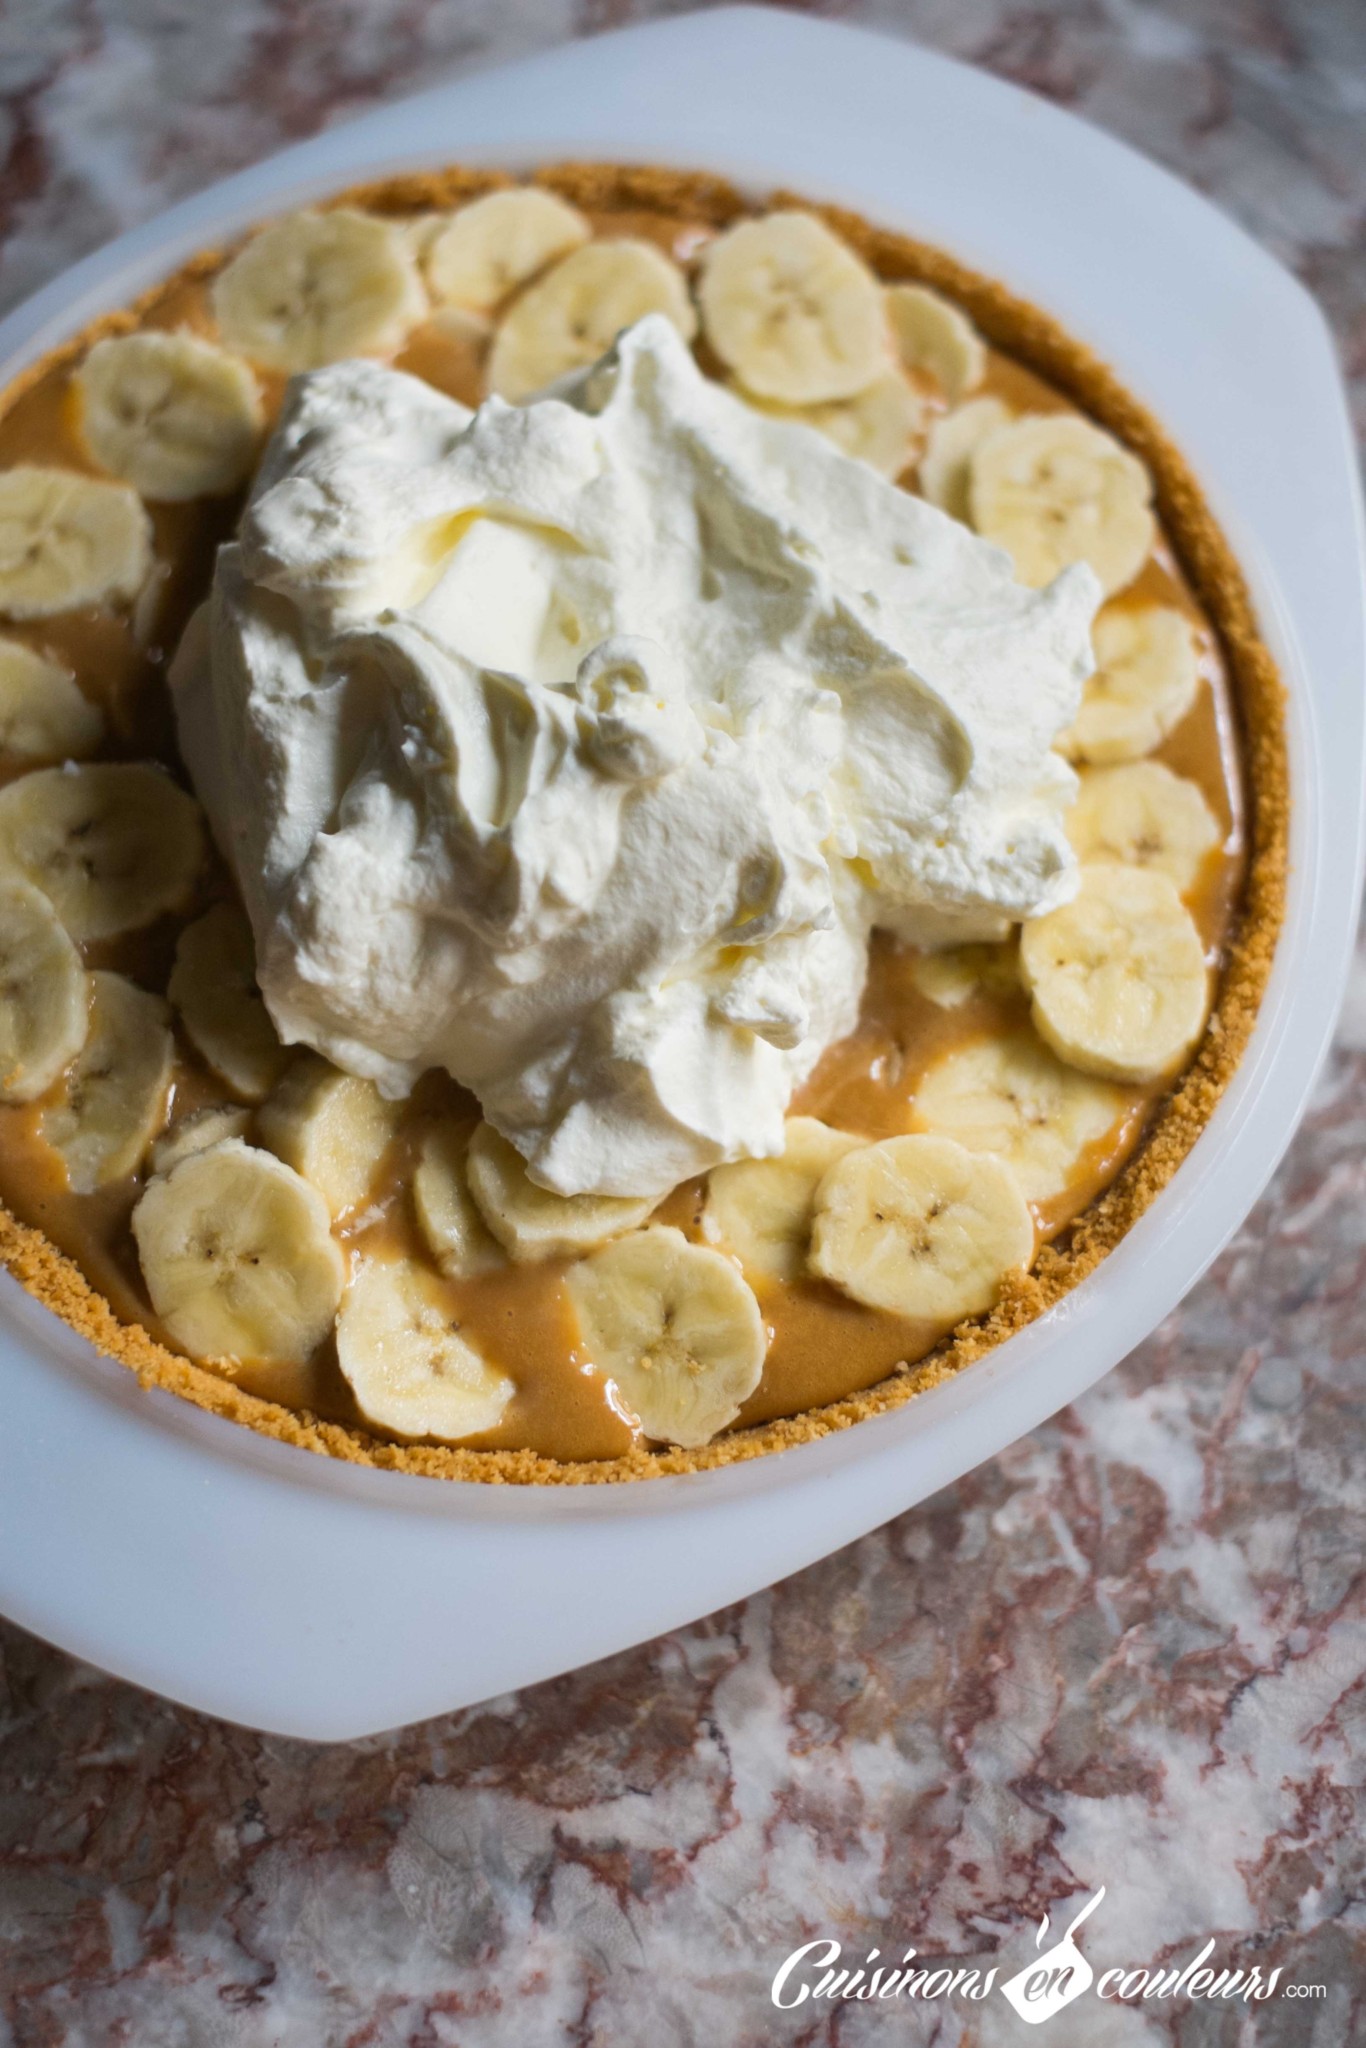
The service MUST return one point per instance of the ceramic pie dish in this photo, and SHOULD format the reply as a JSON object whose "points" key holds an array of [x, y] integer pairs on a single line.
{"points": [[516, 1535]]}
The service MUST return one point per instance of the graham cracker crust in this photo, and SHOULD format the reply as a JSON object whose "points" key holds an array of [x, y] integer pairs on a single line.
{"points": [[1024, 331]]}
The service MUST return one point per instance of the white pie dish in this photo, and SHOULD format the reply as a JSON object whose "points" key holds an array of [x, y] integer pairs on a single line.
{"points": [[312, 1598]]}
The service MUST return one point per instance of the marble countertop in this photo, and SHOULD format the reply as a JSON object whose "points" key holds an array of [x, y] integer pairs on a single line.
{"points": [[1130, 1652]]}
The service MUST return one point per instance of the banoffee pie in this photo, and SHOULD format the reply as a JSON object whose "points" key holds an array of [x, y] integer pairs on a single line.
{"points": [[634, 823]]}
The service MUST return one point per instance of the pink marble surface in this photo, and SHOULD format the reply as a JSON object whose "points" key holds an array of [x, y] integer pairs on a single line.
{"points": [[1132, 1651]]}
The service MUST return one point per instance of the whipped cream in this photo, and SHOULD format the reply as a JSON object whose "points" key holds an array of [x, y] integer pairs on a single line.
{"points": [[578, 747]]}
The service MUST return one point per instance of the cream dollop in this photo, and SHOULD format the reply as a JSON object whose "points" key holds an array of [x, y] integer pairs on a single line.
{"points": [[577, 748]]}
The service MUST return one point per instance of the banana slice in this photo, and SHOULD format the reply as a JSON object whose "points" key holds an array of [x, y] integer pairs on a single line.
{"points": [[951, 977], [213, 985], [44, 1000], [238, 1256], [792, 311], [1053, 489], [331, 1127], [174, 416], [450, 1222], [932, 335], [760, 1209], [881, 425], [405, 1361], [499, 242], [197, 1131], [574, 313], [116, 1090], [530, 1222], [1117, 976], [1142, 814], [1145, 680], [922, 1227], [314, 287], [1013, 1098], [68, 541], [113, 844], [946, 465], [675, 1327], [43, 714]]}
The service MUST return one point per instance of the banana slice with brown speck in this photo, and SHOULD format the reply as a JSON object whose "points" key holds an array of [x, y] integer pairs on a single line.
{"points": [[760, 1209], [1145, 680], [113, 844], [173, 415], [1117, 976], [933, 335], [405, 1360], [69, 541], [213, 985], [1054, 489], [312, 288], [792, 311], [44, 997], [946, 465], [44, 715], [921, 1227], [117, 1087], [1142, 814], [498, 243], [1015, 1099], [238, 1256], [529, 1221], [331, 1127], [675, 1327], [456, 1233]]}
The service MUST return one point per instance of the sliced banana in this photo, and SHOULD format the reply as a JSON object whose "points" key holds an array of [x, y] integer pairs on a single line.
{"points": [[945, 467], [114, 1101], [881, 425], [677, 1329], [44, 1000], [530, 1222], [405, 1361], [174, 416], [314, 287], [197, 1131], [493, 245], [573, 314], [1142, 814], [760, 1209], [1053, 489], [68, 541], [951, 977], [1118, 976], [213, 985], [922, 1227], [1015, 1099], [933, 335], [331, 1127], [113, 844], [792, 311], [1145, 680], [238, 1256], [456, 1234], [43, 713]]}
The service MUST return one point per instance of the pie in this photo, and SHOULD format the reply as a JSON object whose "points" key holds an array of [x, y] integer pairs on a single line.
{"points": [[366, 1266]]}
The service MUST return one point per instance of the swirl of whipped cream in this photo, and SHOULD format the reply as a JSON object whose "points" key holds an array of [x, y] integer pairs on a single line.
{"points": [[578, 747]]}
